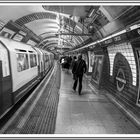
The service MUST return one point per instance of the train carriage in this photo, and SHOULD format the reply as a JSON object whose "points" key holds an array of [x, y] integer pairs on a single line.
{"points": [[20, 69], [40, 61]]}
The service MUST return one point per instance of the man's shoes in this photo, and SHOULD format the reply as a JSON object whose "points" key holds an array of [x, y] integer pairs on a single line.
{"points": [[74, 89], [79, 93]]}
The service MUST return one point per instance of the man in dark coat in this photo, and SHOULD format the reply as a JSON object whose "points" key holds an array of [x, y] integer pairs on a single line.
{"points": [[79, 69], [73, 63]]}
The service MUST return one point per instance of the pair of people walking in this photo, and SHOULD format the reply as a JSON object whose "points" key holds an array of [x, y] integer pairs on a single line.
{"points": [[78, 69]]}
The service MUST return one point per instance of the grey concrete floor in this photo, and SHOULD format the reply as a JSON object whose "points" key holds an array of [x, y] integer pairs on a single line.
{"points": [[89, 113]]}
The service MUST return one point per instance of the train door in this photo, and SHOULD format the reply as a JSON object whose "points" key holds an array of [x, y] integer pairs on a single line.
{"points": [[138, 58], [1, 87], [5, 80], [39, 67]]}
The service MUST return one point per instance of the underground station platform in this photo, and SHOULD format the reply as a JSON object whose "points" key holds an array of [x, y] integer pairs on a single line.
{"points": [[55, 108]]}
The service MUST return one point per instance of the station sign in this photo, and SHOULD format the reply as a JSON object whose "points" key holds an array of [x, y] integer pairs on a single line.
{"points": [[121, 80], [107, 42], [120, 38], [91, 47]]}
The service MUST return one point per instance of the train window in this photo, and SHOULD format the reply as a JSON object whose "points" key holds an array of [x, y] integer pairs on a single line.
{"points": [[31, 51], [33, 60], [5, 61], [46, 58], [22, 61], [19, 50]]}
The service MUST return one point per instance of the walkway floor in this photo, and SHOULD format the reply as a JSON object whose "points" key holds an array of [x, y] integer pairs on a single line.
{"points": [[89, 113]]}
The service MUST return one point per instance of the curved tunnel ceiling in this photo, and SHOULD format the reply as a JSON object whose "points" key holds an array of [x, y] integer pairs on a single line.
{"points": [[63, 27], [46, 23]]}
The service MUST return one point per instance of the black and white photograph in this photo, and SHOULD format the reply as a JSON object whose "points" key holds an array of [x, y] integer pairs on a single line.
{"points": [[69, 69]]}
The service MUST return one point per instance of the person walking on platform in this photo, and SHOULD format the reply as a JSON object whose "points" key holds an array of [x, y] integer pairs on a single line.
{"points": [[73, 65], [67, 65], [73, 62], [79, 69]]}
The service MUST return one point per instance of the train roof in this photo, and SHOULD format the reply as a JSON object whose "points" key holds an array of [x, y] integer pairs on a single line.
{"points": [[13, 45]]}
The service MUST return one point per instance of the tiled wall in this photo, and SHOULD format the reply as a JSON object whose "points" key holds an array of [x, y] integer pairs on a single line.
{"points": [[116, 57], [122, 56], [126, 50]]}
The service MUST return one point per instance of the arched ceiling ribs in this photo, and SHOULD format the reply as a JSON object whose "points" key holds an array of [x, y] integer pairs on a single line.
{"points": [[69, 21], [75, 32], [78, 38], [78, 28], [46, 43], [69, 29], [81, 27], [55, 37], [62, 39], [35, 16], [52, 46], [47, 33], [75, 40], [55, 43], [50, 26], [66, 45], [43, 15], [46, 47]]}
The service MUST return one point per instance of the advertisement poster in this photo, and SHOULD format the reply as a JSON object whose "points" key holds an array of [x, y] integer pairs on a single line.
{"points": [[91, 60], [97, 68], [18, 37], [6, 33], [85, 57]]}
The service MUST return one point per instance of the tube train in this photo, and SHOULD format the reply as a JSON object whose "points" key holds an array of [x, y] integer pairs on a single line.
{"points": [[21, 67]]}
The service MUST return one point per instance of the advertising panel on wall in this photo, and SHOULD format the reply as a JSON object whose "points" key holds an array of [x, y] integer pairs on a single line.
{"points": [[31, 42], [91, 60], [7, 33], [97, 68], [85, 57], [18, 37]]}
